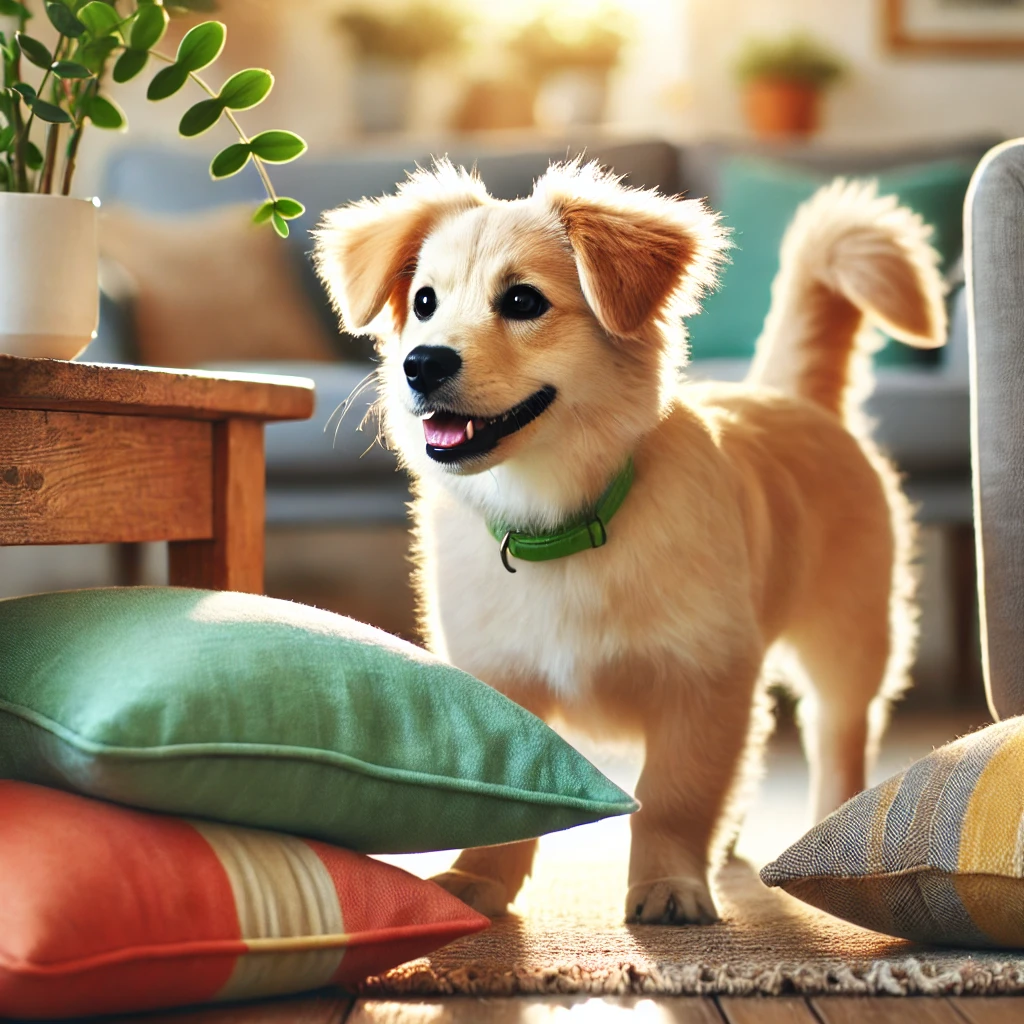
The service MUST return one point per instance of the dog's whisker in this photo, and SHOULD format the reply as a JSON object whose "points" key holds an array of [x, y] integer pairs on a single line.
{"points": [[352, 395]]}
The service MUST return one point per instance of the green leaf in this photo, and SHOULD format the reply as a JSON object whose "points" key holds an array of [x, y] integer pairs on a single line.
{"points": [[34, 50], [246, 89], [148, 28], [230, 161], [289, 208], [105, 113], [130, 64], [94, 53], [5, 176], [64, 21], [6, 137], [280, 225], [263, 212], [48, 112], [12, 9], [278, 147], [167, 82], [99, 18], [69, 69], [200, 118], [33, 157], [202, 45], [25, 91]]}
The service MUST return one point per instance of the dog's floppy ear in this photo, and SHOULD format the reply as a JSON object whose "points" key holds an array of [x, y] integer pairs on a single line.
{"points": [[365, 251], [641, 256]]}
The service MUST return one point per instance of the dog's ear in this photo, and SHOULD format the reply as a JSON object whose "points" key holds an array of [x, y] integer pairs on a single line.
{"points": [[365, 252], [641, 256]]}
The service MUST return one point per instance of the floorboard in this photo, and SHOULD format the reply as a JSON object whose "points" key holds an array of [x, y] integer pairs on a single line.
{"points": [[883, 1010], [326, 1008], [540, 1010], [769, 1010], [990, 1010]]}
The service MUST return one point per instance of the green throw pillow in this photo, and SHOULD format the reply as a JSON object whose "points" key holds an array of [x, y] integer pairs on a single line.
{"points": [[758, 200], [264, 713], [934, 854]]}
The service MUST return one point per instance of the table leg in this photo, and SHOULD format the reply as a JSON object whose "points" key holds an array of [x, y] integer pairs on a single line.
{"points": [[233, 558]]}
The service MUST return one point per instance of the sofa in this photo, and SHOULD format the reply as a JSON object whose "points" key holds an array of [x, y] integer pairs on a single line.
{"points": [[339, 476], [994, 240]]}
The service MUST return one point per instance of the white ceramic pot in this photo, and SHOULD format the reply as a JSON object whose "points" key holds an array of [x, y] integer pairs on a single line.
{"points": [[49, 274]]}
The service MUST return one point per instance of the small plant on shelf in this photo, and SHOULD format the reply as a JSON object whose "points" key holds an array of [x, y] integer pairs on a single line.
{"points": [[42, 124]]}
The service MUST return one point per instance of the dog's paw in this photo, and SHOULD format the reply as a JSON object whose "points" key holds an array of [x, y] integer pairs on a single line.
{"points": [[671, 901], [484, 895]]}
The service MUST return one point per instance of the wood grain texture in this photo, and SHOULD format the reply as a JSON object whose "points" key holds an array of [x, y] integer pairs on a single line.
{"points": [[78, 478], [990, 1010], [234, 558], [770, 1010], [191, 394], [882, 1010], [537, 1010], [327, 1008]]}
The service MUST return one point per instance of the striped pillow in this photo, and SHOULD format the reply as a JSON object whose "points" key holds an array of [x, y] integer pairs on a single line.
{"points": [[934, 854], [109, 910]]}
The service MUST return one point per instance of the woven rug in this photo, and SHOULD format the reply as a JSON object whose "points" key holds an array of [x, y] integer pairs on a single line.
{"points": [[569, 938]]}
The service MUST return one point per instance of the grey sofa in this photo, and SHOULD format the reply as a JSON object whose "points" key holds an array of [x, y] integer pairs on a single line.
{"points": [[994, 240], [922, 413]]}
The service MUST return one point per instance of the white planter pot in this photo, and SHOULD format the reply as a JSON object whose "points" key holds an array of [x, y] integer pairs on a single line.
{"points": [[382, 91], [49, 274]]}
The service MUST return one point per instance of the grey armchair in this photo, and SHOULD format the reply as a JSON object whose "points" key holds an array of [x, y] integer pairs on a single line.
{"points": [[994, 250]]}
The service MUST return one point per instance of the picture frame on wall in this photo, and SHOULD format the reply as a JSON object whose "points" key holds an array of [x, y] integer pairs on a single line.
{"points": [[967, 28]]}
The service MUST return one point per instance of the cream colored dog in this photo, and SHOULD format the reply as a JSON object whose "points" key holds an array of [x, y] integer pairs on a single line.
{"points": [[530, 353]]}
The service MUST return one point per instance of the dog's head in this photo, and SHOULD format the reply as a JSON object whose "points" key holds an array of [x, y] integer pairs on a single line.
{"points": [[534, 338]]}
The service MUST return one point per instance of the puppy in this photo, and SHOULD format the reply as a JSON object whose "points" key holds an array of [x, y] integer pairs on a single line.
{"points": [[530, 378]]}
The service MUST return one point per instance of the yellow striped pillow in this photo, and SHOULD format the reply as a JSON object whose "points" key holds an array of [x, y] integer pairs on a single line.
{"points": [[934, 854]]}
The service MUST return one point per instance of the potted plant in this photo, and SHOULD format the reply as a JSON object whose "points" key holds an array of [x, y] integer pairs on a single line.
{"points": [[389, 48], [50, 95], [570, 56], [783, 81]]}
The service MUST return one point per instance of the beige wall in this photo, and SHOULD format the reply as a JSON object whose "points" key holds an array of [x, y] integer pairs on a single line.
{"points": [[886, 98]]}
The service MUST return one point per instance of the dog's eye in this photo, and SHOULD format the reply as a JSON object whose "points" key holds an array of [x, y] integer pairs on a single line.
{"points": [[521, 302], [424, 303]]}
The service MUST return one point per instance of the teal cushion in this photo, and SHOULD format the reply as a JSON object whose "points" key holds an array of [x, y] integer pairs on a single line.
{"points": [[758, 200], [264, 713]]}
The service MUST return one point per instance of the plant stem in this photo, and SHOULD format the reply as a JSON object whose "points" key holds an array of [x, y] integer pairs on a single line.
{"points": [[23, 138], [49, 160], [260, 168]]}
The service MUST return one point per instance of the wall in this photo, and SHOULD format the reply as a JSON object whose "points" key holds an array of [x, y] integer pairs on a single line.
{"points": [[886, 98]]}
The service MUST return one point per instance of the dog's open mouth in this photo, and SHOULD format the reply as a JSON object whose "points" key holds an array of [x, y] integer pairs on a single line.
{"points": [[452, 437]]}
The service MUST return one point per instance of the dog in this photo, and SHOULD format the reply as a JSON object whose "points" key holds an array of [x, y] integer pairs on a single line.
{"points": [[530, 377]]}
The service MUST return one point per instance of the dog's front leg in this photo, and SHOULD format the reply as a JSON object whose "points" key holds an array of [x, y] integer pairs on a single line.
{"points": [[695, 743], [489, 878]]}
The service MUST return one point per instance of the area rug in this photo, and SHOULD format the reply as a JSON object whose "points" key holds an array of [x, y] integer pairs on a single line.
{"points": [[569, 938]]}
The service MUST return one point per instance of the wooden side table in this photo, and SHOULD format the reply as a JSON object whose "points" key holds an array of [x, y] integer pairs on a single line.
{"points": [[93, 454]]}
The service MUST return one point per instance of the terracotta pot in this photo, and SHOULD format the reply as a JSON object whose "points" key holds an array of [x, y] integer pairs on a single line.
{"points": [[781, 108]]}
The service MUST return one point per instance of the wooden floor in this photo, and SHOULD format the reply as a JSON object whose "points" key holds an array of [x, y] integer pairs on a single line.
{"points": [[328, 1009]]}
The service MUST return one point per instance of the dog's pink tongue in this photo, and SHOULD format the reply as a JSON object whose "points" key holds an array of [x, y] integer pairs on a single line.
{"points": [[444, 431]]}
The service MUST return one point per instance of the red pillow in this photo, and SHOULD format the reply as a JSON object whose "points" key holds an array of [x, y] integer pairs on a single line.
{"points": [[107, 910]]}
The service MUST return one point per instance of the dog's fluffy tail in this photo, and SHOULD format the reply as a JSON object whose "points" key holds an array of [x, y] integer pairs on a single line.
{"points": [[850, 261]]}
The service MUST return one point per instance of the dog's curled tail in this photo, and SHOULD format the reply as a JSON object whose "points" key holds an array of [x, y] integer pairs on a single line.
{"points": [[851, 260]]}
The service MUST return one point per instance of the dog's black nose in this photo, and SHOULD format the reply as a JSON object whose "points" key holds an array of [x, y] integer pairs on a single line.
{"points": [[427, 367]]}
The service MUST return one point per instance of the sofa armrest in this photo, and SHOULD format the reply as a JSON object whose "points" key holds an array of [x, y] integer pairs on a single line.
{"points": [[994, 239]]}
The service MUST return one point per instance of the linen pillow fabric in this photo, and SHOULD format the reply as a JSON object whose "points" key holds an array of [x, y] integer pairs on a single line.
{"points": [[759, 199], [264, 713], [934, 854], [106, 910]]}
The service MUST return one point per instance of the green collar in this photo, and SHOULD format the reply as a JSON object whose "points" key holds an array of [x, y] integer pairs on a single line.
{"points": [[587, 533]]}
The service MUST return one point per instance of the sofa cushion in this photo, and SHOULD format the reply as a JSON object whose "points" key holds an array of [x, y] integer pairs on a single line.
{"points": [[758, 201], [263, 713], [109, 910]]}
